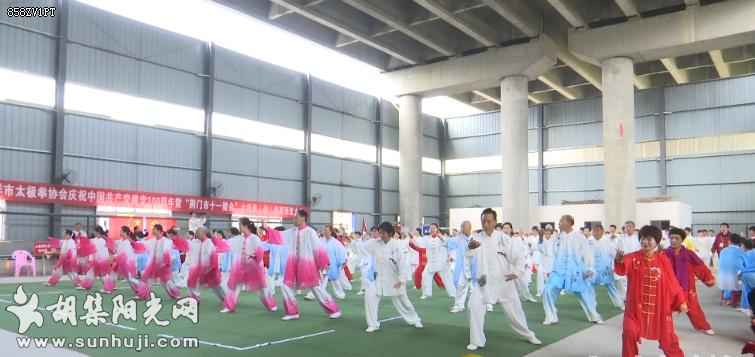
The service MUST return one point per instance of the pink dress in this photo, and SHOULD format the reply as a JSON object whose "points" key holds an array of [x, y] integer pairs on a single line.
{"points": [[306, 258], [247, 263], [205, 269]]}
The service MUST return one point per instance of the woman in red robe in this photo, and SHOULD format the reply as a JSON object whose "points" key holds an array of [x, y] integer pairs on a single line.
{"points": [[653, 293], [688, 267]]}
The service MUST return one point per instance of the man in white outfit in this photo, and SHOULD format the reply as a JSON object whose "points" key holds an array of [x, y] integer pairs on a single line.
{"points": [[499, 264], [629, 242], [362, 260], [523, 281], [437, 262], [390, 268], [462, 268]]}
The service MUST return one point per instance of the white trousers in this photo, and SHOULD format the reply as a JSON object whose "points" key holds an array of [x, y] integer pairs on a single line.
{"points": [[364, 269], [337, 286], [541, 278], [291, 305], [621, 285], [445, 276], [524, 289], [462, 292], [344, 281], [512, 307], [401, 302]]}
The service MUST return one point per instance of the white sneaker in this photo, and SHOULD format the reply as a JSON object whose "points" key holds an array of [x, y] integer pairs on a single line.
{"points": [[274, 309], [489, 307], [371, 329], [360, 293], [533, 340], [79, 288], [419, 324], [598, 322], [423, 297], [309, 297], [550, 322], [335, 315], [531, 300], [225, 310], [472, 347], [709, 332], [456, 310], [290, 317]]}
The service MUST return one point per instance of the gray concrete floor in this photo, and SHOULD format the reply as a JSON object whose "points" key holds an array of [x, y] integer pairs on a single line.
{"points": [[731, 326]]}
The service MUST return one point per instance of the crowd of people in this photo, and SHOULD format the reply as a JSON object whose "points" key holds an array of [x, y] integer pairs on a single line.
{"points": [[648, 273]]}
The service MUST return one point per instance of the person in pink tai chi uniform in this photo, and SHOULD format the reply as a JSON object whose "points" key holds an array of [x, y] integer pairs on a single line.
{"points": [[159, 267], [247, 268], [67, 262], [307, 261]]}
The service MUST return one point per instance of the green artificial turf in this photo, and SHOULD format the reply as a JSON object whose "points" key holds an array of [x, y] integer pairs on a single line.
{"points": [[444, 334]]}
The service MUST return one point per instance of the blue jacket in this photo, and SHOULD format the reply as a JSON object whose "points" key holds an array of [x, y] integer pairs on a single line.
{"points": [[459, 246], [731, 260], [336, 256]]}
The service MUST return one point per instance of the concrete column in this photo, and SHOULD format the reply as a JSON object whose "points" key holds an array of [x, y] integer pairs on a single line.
{"points": [[410, 172], [514, 118], [618, 140]]}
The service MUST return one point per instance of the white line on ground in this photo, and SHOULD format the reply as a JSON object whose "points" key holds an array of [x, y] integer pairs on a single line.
{"points": [[271, 343], [202, 342], [41, 293], [390, 319]]}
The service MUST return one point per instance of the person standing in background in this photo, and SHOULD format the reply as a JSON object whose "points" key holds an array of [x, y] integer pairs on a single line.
{"points": [[689, 267], [722, 240], [195, 222], [463, 267]]}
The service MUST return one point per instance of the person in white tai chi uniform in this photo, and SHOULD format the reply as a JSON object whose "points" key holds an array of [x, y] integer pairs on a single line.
{"points": [[629, 242], [463, 268], [390, 269], [437, 262], [498, 266]]}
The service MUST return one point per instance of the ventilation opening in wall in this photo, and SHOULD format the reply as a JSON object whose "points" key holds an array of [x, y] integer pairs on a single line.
{"points": [[3, 208]]}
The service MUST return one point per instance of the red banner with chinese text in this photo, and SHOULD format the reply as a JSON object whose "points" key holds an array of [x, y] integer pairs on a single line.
{"points": [[31, 192]]}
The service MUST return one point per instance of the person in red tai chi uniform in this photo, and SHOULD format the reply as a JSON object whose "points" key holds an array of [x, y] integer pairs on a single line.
{"points": [[653, 294], [417, 277], [688, 266]]}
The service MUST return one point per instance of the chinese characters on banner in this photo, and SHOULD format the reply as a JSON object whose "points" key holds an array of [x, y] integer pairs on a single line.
{"points": [[18, 191]]}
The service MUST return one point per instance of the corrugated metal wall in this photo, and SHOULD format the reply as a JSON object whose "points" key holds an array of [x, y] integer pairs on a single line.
{"points": [[250, 89], [479, 136], [720, 187]]}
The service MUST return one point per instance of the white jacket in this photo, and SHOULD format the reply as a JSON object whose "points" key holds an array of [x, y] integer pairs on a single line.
{"points": [[391, 266]]}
